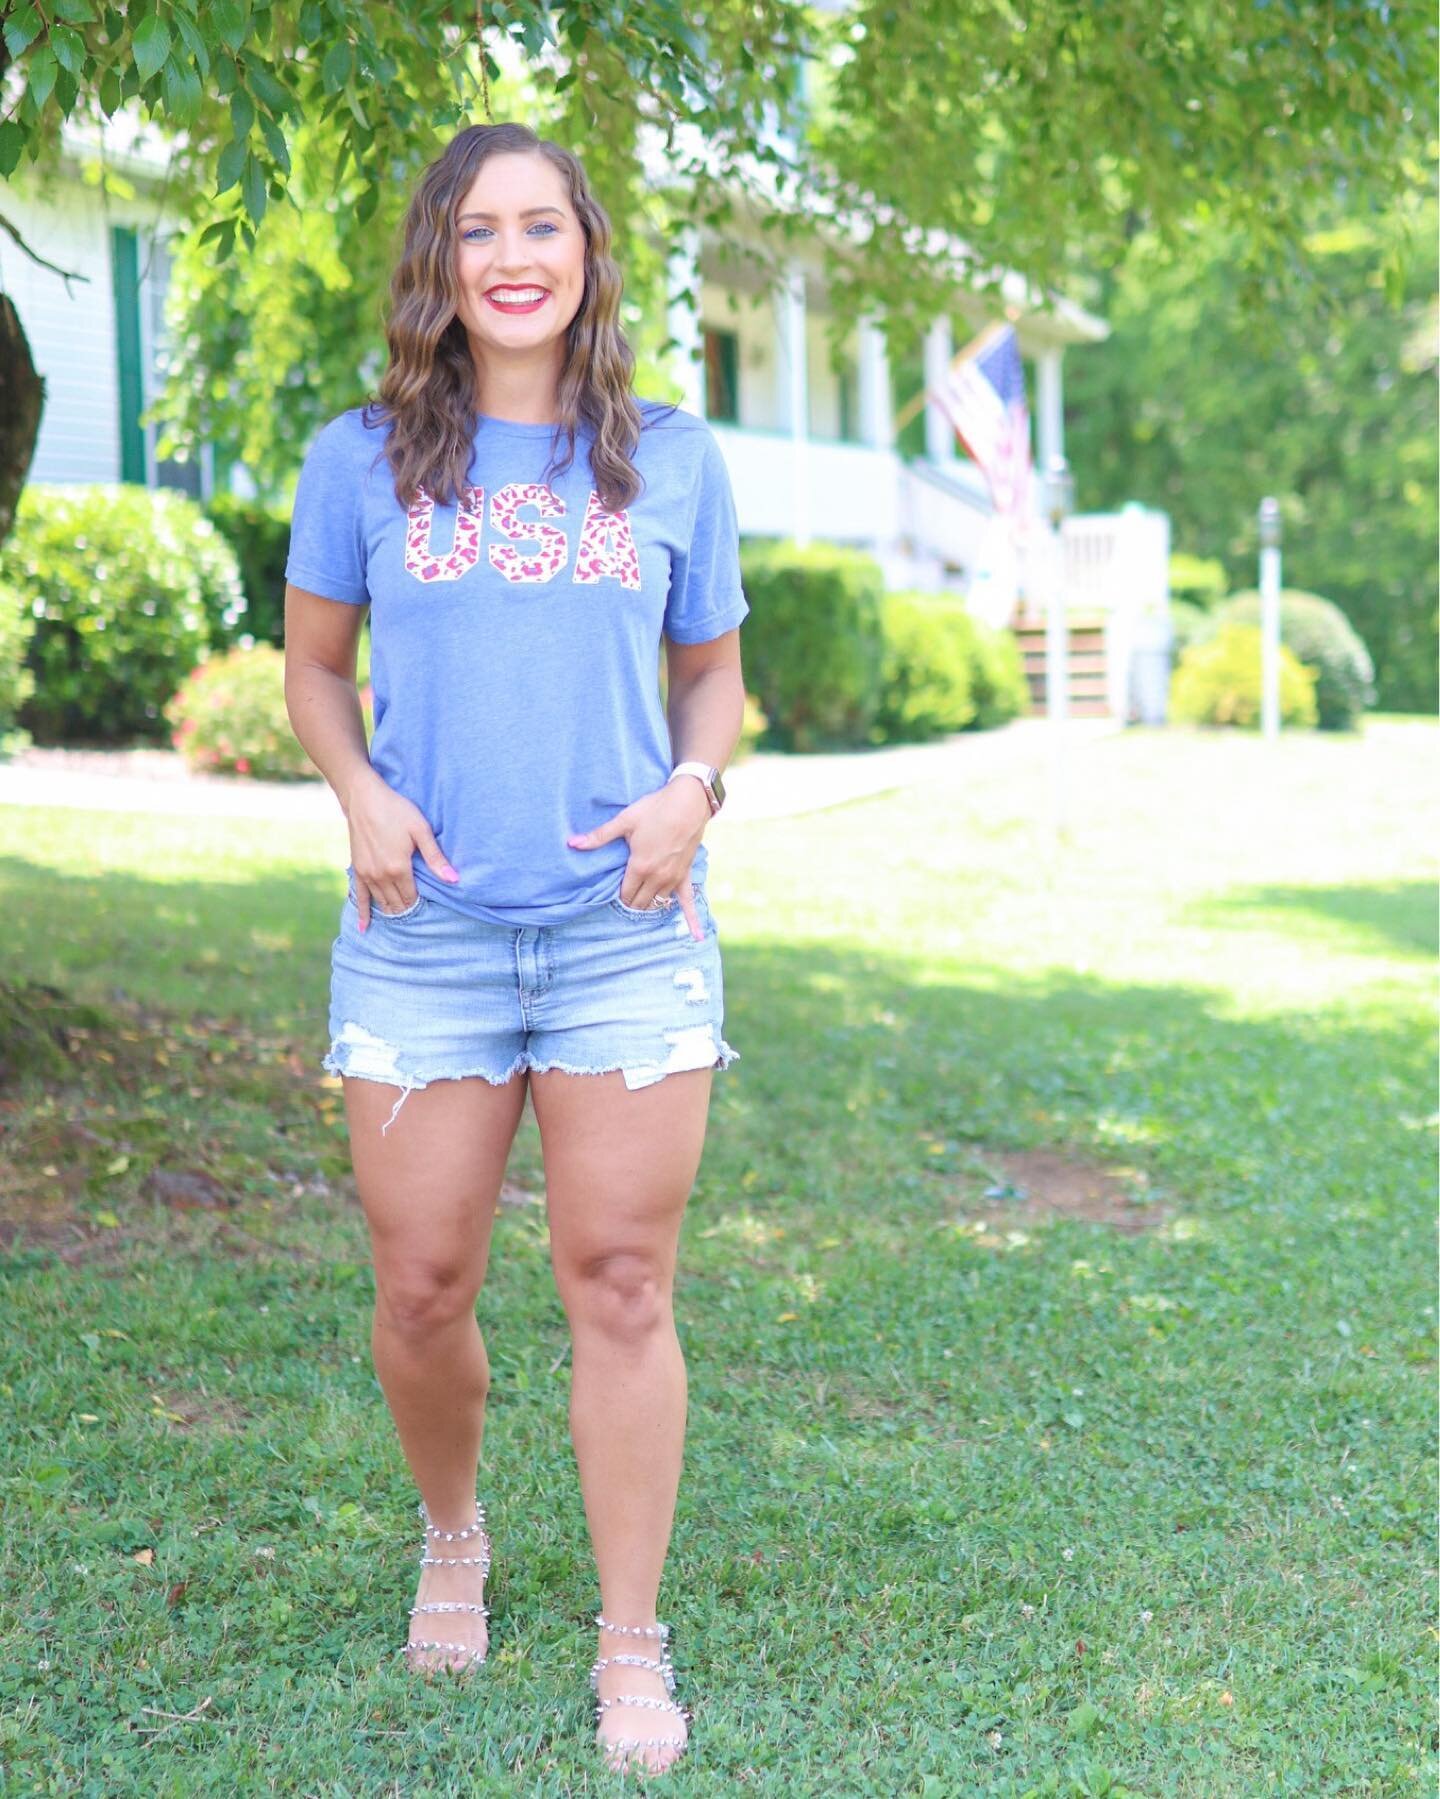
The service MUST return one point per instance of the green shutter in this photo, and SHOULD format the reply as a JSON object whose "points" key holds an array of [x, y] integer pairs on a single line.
{"points": [[125, 276]]}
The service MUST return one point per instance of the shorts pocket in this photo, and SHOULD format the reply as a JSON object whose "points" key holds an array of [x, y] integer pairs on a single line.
{"points": [[644, 914], [411, 911]]}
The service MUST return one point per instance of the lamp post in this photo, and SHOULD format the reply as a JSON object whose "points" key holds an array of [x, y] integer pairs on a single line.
{"points": [[1269, 617], [1059, 502]]}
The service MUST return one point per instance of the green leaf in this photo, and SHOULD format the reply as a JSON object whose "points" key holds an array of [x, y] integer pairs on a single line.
{"points": [[69, 48], [231, 164], [335, 70], [109, 92], [67, 89], [42, 75], [11, 139], [194, 43], [151, 45], [275, 142], [352, 101], [78, 12], [268, 89], [22, 30], [182, 92], [242, 112], [228, 19], [252, 187]]}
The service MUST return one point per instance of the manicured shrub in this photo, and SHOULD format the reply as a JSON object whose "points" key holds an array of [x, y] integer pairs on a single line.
{"points": [[1218, 682], [813, 641], [997, 676], [129, 588], [1326, 642], [753, 726], [1198, 580], [926, 668], [260, 537], [1189, 624], [17, 683]]}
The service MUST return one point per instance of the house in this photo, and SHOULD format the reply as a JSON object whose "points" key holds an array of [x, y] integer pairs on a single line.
{"points": [[803, 433]]}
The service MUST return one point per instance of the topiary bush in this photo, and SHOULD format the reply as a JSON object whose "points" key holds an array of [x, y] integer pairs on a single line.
{"points": [[1217, 682], [129, 588], [17, 683], [813, 641], [926, 668], [1326, 642]]}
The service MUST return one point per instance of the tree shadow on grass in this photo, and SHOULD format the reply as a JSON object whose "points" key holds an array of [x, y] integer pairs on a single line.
{"points": [[855, 1081], [897, 1424], [1401, 917]]}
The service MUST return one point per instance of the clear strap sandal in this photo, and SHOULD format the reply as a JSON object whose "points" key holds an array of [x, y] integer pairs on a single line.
{"points": [[663, 1666], [473, 1656]]}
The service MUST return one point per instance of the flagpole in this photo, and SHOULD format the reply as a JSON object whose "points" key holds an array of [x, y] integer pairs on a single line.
{"points": [[1059, 497]]}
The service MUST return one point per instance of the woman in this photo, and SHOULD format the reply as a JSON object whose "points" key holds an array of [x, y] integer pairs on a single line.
{"points": [[527, 906]]}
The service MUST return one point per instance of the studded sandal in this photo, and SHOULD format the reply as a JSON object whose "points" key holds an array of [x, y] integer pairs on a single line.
{"points": [[474, 1657], [663, 1666]]}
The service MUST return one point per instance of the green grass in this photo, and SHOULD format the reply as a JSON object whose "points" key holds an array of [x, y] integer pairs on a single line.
{"points": [[1038, 1506]]}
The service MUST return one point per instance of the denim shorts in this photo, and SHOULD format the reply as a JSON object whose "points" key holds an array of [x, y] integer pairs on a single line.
{"points": [[432, 994]]}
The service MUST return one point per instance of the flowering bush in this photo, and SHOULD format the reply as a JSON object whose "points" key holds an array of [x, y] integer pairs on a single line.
{"points": [[229, 716]]}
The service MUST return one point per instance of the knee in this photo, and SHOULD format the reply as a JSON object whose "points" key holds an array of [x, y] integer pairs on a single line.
{"points": [[422, 1299], [624, 1294]]}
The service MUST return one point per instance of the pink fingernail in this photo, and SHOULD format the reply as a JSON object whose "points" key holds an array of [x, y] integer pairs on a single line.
{"points": [[449, 873]]}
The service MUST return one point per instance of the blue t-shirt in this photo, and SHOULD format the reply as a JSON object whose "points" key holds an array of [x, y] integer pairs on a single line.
{"points": [[515, 640]]}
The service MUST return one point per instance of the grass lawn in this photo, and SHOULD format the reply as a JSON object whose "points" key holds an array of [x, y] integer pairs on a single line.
{"points": [[1057, 1293]]}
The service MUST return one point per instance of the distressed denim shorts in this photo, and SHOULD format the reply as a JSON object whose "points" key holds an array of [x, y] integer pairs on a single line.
{"points": [[432, 994]]}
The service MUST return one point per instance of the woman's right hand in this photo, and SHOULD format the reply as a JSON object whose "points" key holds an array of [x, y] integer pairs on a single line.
{"points": [[385, 831]]}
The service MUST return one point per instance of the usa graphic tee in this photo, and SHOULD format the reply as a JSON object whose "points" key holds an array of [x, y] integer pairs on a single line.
{"points": [[515, 640]]}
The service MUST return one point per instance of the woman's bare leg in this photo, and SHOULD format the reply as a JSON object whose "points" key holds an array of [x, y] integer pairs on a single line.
{"points": [[619, 1168], [429, 1187]]}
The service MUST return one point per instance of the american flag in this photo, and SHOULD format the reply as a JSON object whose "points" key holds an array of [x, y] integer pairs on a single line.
{"points": [[983, 397]]}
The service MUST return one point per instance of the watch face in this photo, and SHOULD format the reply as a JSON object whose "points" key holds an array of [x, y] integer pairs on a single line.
{"points": [[719, 786]]}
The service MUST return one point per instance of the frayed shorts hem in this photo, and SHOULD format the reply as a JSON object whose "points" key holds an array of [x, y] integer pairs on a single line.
{"points": [[637, 1075]]}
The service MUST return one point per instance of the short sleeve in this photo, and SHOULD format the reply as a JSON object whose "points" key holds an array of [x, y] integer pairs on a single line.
{"points": [[327, 536], [706, 598]]}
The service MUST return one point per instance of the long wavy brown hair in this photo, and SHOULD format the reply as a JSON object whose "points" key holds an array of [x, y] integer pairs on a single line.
{"points": [[428, 391]]}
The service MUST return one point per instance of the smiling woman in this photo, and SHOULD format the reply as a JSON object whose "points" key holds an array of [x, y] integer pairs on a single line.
{"points": [[527, 910]]}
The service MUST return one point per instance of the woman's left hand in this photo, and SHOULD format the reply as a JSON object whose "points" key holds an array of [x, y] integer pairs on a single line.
{"points": [[664, 829]]}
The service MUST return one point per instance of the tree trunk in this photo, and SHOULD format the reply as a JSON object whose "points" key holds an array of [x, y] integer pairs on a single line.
{"points": [[22, 398], [31, 1038]]}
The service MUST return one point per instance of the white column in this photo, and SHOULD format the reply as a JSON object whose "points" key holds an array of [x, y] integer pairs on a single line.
{"points": [[939, 432], [876, 410], [682, 320], [796, 398], [1049, 407]]}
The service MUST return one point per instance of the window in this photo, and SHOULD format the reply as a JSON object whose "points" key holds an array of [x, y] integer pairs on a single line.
{"points": [[722, 375]]}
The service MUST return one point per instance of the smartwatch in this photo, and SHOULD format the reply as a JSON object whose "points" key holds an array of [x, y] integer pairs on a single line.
{"points": [[709, 779]]}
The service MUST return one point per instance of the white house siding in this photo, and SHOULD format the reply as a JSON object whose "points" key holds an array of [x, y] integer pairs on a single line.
{"points": [[70, 327]]}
